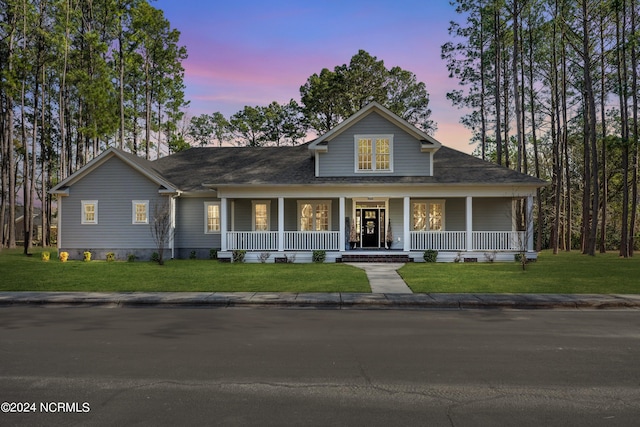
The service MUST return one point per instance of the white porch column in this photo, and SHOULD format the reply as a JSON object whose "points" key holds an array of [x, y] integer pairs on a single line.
{"points": [[469, 222], [343, 234], [280, 224], [406, 224], [223, 223], [172, 241], [529, 223]]}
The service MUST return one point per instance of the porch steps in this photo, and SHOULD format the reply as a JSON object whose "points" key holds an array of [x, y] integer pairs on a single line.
{"points": [[396, 258]]}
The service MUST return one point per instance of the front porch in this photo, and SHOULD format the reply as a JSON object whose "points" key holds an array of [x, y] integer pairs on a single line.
{"points": [[344, 226]]}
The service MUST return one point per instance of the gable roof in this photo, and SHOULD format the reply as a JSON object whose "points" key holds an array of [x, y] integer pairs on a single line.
{"points": [[199, 169], [144, 166], [428, 143]]}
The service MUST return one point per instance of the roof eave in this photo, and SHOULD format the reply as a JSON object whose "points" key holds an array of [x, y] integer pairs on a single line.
{"points": [[213, 186]]}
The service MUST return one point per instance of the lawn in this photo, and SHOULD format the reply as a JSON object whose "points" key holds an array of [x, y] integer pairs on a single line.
{"points": [[570, 273], [562, 273], [21, 273]]}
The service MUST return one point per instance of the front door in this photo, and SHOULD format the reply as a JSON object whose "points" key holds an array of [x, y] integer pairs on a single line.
{"points": [[370, 228]]}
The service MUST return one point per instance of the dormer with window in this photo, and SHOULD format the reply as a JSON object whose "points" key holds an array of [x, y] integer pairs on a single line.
{"points": [[374, 141]]}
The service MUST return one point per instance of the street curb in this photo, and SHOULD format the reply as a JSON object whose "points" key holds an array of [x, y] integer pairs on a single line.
{"points": [[322, 300]]}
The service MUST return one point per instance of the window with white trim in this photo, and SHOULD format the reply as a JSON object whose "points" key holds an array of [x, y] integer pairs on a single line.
{"points": [[314, 215], [374, 153], [89, 214], [140, 212], [428, 215], [261, 215], [211, 217]]}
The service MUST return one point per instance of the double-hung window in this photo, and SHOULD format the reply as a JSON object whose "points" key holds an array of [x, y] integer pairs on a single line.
{"points": [[89, 214], [211, 217], [314, 215], [428, 215], [261, 215], [140, 211], [374, 153]]}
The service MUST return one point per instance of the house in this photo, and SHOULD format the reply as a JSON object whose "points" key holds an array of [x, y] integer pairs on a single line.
{"points": [[37, 223], [373, 186]]}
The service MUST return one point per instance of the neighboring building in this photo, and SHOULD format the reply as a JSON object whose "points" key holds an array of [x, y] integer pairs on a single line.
{"points": [[37, 223], [372, 182]]}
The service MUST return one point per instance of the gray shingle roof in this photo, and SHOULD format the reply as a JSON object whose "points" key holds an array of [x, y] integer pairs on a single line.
{"points": [[190, 169]]}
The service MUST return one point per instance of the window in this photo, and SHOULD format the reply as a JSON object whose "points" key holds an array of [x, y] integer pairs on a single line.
{"points": [[140, 211], [428, 215], [436, 218], [211, 217], [374, 153], [89, 213], [382, 154], [364, 154], [261, 210], [314, 215]]}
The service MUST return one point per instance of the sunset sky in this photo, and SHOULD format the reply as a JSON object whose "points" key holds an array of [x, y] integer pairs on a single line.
{"points": [[255, 52]]}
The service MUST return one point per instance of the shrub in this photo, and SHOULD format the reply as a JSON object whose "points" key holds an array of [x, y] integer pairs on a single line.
{"points": [[490, 256], [87, 256], [264, 256], [319, 256], [238, 256], [430, 255], [111, 256], [192, 255], [131, 257], [213, 254], [64, 256], [45, 256], [155, 257]]}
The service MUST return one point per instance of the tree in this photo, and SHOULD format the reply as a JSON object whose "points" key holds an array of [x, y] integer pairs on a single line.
{"points": [[332, 96], [157, 45], [320, 98], [207, 128], [469, 62], [248, 126], [284, 124], [162, 227]]}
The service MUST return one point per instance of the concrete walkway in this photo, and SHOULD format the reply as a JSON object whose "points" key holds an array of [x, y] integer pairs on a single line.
{"points": [[384, 278]]}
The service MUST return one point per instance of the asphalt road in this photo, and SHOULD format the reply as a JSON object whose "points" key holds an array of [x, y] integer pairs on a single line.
{"points": [[119, 366]]}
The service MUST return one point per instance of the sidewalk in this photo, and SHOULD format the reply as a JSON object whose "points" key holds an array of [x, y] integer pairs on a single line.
{"points": [[384, 277], [321, 300]]}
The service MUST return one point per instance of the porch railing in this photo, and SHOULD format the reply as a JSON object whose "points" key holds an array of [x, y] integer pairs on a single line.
{"points": [[457, 240], [293, 240], [439, 240], [498, 240], [309, 241], [420, 240], [252, 240]]}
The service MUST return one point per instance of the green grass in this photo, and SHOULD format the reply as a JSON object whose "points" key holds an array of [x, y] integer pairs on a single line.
{"points": [[562, 273], [21, 273], [570, 273]]}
